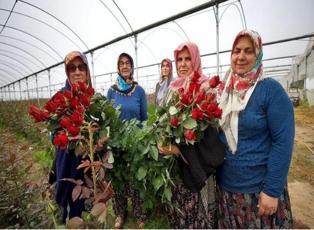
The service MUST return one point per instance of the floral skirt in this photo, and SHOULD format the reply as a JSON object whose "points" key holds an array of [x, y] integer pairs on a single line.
{"points": [[120, 202], [238, 210], [193, 210]]}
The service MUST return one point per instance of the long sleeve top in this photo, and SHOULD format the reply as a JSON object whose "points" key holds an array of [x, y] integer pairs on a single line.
{"points": [[132, 106], [265, 143]]}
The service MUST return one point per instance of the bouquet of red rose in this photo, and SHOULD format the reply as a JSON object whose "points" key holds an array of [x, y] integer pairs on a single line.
{"points": [[189, 111], [64, 113]]}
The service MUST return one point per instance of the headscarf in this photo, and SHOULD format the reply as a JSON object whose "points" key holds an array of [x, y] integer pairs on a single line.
{"points": [[163, 83], [69, 58], [196, 65], [238, 90], [121, 83]]}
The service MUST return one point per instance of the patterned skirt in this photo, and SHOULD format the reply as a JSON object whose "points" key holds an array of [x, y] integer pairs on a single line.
{"points": [[193, 210], [238, 210]]}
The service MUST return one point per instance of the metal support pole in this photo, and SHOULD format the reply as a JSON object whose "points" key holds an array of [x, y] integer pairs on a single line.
{"points": [[216, 12], [92, 70], [49, 82], [136, 55], [27, 89], [9, 92], [14, 96], [20, 90], [37, 92]]}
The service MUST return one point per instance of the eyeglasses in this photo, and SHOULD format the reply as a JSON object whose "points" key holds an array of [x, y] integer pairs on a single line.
{"points": [[121, 64], [72, 68]]}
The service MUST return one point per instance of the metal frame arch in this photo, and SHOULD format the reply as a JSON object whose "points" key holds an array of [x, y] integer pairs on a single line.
{"points": [[33, 36], [11, 66], [24, 52], [25, 58], [42, 22], [51, 15], [19, 62], [28, 43]]}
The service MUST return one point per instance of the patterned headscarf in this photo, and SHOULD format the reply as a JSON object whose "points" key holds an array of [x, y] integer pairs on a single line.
{"points": [[196, 65], [238, 90], [163, 84], [69, 58]]}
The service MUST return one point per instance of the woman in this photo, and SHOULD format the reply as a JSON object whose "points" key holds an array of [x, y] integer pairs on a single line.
{"points": [[66, 162], [194, 194], [258, 127], [164, 81], [131, 99]]}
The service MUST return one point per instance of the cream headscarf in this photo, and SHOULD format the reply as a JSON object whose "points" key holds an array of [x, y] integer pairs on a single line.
{"points": [[238, 90]]}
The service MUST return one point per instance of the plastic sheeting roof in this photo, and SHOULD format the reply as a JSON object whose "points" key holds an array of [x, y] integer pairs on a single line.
{"points": [[35, 34]]}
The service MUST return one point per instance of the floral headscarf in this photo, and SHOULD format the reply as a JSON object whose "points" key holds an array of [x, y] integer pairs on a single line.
{"points": [[69, 58], [196, 65], [238, 90], [163, 84]]}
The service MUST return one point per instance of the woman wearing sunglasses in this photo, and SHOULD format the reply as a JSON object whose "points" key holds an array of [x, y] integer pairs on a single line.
{"points": [[131, 98], [66, 161]]}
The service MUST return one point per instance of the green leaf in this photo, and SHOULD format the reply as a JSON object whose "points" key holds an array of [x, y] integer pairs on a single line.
{"points": [[154, 152], [141, 173], [157, 182], [173, 110], [189, 123], [168, 194]]}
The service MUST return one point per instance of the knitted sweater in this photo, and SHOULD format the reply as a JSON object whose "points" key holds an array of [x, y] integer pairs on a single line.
{"points": [[132, 106], [265, 143]]}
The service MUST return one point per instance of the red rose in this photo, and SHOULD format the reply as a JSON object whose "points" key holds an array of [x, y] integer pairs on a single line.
{"points": [[214, 81], [65, 122], [194, 87], [61, 140], [82, 86], [59, 99], [217, 113], [90, 91], [211, 108], [174, 121], [200, 97], [67, 94], [74, 131], [37, 114], [51, 106], [74, 102], [75, 88], [77, 118], [197, 114], [195, 76], [85, 100], [80, 109], [189, 135], [186, 99]]}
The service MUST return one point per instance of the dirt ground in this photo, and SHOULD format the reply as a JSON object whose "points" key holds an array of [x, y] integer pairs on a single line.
{"points": [[302, 193]]}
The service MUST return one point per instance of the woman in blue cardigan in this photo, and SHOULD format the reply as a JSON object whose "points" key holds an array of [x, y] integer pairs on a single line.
{"points": [[131, 98], [258, 128]]}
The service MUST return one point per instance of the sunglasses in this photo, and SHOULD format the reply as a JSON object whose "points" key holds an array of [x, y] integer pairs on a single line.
{"points": [[72, 68]]}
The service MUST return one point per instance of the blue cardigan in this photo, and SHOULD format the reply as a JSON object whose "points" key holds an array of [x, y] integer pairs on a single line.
{"points": [[132, 106], [265, 143]]}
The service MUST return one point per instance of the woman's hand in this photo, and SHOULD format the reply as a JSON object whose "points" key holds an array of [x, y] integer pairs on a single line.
{"points": [[267, 205], [168, 149]]}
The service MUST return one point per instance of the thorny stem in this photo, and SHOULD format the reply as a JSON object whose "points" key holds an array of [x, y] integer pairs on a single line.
{"points": [[91, 154]]}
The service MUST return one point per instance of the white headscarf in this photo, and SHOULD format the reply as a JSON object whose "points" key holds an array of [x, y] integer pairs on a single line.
{"points": [[238, 90]]}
